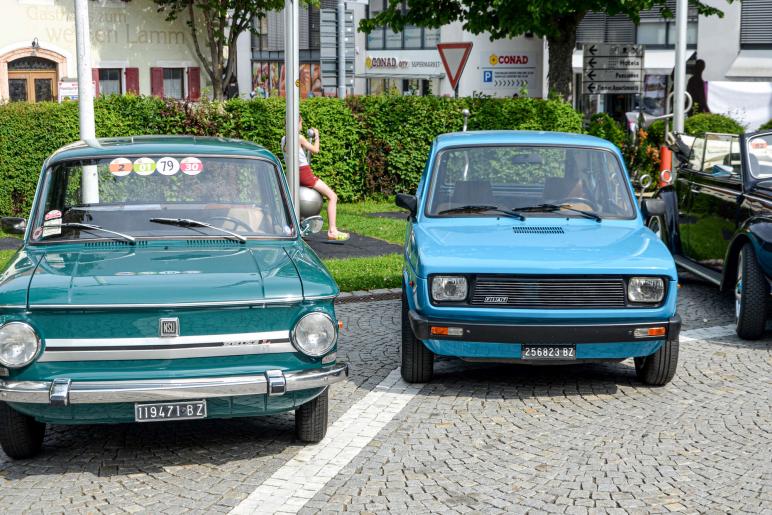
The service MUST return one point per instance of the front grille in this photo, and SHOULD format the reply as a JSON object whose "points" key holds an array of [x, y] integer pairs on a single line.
{"points": [[549, 293]]}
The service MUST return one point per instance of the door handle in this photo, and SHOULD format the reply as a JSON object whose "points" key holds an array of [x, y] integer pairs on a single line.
{"points": [[695, 189]]}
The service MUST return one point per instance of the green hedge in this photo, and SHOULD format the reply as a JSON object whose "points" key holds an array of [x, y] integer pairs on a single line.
{"points": [[766, 126], [370, 145], [698, 125]]}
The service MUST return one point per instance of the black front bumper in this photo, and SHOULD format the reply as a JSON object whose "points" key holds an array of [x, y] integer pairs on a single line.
{"points": [[542, 333]]}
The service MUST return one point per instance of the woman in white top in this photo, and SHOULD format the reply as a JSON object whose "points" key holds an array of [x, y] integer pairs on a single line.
{"points": [[309, 180]]}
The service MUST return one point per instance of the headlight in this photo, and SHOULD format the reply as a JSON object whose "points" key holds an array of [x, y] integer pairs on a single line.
{"points": [[448, 287], [19, 344], [646, 289], [314, 334]]}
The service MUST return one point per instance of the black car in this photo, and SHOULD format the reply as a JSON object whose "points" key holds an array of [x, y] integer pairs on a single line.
{"points": [[718, 219]]}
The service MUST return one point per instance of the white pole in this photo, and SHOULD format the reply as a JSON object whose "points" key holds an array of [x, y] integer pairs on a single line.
{"points": [[90, 178], [291, 58], [679, 87], [341, 49]]}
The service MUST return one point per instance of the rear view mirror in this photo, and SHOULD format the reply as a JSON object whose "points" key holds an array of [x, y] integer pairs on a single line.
{"points": [[407, 201], [311, 225], [653, 207], [13, 225], [527, 159]]}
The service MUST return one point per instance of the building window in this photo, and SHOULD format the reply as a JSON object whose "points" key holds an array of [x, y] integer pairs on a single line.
{"points": [[663, 33], [412, 38], [755, 20], [110, 81], [173, 83]]}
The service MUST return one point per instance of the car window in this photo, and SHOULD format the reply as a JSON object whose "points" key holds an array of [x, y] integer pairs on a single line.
{"points": [[511, 177], [721, 155], [239, 195], [760, 156]]}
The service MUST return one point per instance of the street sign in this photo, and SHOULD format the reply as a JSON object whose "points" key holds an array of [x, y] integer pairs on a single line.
{"points": [[454, 56], [612, 68]]}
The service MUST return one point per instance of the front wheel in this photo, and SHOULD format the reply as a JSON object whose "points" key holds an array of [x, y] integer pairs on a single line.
{"points": [[21, 436], [750, 296], [417, 360], [311, 419], [659, 368], [657, 226]]}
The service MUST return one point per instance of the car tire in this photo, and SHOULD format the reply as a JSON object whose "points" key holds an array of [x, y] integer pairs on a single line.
{"points": [[657, 226], [417, 360], [311, 419], [659, 368], [751, 292], [21, 436]]}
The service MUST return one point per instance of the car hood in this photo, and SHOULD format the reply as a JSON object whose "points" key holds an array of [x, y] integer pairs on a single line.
{"points": [[575, 246], [160, 276]]}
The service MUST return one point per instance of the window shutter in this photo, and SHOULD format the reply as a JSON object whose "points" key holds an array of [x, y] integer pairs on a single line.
{"points": [[592, 28], [620, 29], [194, 83], [756, 18], [95, 79], [157, 82], [132, 80]]}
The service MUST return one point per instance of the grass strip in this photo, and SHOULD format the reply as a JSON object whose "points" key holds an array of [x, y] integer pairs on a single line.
{"points": [[355, 218], [366, 273]]}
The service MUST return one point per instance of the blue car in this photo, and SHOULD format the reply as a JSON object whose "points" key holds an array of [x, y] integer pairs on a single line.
{"points": [[530, 247]]}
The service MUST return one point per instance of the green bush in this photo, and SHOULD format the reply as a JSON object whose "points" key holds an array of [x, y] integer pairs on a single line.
{"points": [[604, 126], [697, 125], [767, 126], [370, 145]]}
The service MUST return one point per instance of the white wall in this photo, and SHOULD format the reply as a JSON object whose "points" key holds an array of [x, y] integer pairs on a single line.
{"points": [[718, 39]]}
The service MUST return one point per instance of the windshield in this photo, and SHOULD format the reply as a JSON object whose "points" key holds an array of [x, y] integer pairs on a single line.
{"points": [[760, 156], [241, 196], [517, 177]]}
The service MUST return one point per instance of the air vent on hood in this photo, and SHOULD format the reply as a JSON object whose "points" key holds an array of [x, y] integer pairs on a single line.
{"points": [[113, 244], [212, 243], [529, 229]]}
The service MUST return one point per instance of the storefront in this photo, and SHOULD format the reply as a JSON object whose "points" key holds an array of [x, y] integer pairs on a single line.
{"points": [[133, 50], [407, 72]]}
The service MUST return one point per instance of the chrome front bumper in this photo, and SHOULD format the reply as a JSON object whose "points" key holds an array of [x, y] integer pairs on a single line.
{"points": [[63, 392]]}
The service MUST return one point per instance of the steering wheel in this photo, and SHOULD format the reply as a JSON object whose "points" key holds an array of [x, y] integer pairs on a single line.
{"points": [[581, 200], [235, 221]]}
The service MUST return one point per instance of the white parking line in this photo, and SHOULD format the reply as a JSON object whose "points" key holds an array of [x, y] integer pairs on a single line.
{"points": [[302, 477], [295, 483]]}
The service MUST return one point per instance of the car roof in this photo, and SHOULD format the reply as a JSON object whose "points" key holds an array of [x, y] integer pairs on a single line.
{"points": [[453, 139], [160, 145]]}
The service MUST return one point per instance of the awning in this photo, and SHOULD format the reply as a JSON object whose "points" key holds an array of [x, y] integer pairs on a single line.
{"points": [[655, 61], [753, 65]]}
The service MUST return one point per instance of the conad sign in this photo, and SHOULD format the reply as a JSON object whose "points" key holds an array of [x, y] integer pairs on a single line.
{"points": [[507, 59]]}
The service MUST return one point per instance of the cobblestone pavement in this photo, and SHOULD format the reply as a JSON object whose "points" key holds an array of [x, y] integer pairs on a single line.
{"points": [[492, 438]]}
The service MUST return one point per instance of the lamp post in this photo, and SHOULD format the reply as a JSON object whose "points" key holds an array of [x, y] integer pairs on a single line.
{"points": [[90, 177], [292, 111], [679, 86]]}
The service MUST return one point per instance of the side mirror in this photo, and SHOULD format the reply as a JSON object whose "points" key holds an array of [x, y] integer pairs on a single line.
{"points": [[311, 225], [13, 225], [407, 201], [653, 207]]}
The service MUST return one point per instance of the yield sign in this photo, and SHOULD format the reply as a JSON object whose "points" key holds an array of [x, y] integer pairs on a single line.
{"points": [[454, 56]]}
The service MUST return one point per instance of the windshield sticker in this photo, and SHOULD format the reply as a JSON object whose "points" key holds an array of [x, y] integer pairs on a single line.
{"points": [[53, 214], [120, 166], [191, 166], [167, 166], [144, 166], [52, 227]]}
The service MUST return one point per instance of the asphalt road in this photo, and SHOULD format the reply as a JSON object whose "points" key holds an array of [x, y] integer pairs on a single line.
{"points": [[479, 438]]}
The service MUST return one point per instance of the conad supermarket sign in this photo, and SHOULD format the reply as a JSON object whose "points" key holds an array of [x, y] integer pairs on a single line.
{"points": [[417, 63]]}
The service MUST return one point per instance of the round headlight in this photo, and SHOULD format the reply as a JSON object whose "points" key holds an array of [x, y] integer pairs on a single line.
{"points": [[19, 344], [314, 334]]}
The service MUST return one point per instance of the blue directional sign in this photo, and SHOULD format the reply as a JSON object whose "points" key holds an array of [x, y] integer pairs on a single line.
{"points": [[487, 75]]}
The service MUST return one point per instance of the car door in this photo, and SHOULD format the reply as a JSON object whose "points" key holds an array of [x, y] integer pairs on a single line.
{"points": [[684, 185], [716, 194]]}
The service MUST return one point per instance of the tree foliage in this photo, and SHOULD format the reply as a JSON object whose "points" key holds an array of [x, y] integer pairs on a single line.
{"points": [[556, 20], [215, 25]]}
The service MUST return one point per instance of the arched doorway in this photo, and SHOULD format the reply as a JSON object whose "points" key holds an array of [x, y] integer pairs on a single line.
{"points": [[32, 79]]}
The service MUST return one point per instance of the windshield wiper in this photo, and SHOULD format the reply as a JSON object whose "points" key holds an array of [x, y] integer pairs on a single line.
{"points": [[187, 222], [118, 235], [480, 209], [551, 208]]}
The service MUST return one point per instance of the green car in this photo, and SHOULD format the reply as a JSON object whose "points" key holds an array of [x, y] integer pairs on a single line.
{"points": [[159, 279]]}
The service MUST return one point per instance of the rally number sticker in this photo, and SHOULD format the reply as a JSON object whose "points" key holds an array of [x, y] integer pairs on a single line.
{"points": [[144, 166], [120, 166], [191, 166], [167, 166]]}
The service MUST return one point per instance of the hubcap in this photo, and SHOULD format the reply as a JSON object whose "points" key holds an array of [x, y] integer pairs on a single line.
{"points": [[738, 289]]}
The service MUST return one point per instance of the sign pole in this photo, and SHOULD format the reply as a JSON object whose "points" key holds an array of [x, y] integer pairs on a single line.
{"points": [[292, 110], [341, 49], [90, 177], [679, 88]]}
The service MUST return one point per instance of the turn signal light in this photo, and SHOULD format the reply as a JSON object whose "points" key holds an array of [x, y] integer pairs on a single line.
{"points": [[447, 331], [340, 324], [648, 332]]}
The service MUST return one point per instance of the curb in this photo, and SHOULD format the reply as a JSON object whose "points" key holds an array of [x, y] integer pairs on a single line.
{"points": [[369, 295]]}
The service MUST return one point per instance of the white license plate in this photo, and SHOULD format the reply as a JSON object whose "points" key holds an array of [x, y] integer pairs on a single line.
{"points": [[163, 411], [547, 352]]}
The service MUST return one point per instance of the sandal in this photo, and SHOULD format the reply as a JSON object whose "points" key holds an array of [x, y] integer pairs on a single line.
{"points": [[340, 236]]}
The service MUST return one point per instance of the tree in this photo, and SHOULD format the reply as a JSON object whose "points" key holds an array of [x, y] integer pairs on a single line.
{"points": [[215, 25], [556, 20]]}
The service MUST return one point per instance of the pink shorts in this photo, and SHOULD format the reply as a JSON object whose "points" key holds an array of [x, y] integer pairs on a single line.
{"points": [[307, 177]]}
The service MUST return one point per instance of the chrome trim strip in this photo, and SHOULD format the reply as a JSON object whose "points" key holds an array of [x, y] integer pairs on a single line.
{"points": [[96, 392], [175, 340], [256, 302], [106, 354]]}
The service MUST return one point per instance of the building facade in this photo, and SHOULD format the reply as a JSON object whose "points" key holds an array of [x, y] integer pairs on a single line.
{"points": [[133, 50]]}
